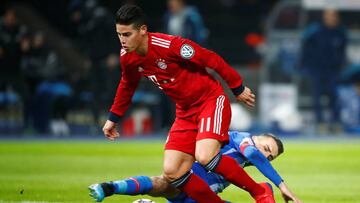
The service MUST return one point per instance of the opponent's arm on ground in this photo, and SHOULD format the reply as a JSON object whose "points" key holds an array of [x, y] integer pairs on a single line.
{"points": [[287, 194], [206, 58], [252, 154], [264, 166]]}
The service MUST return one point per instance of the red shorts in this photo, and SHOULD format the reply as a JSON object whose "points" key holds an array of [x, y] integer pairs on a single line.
{"points": [[212, 121]]}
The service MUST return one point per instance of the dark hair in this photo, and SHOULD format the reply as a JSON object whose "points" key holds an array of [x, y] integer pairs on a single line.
{"points": [[130, 14], [277, 140]]}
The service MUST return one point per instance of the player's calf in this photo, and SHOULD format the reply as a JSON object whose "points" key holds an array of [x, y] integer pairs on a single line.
{"points": [[196, 188], [232, 172]]}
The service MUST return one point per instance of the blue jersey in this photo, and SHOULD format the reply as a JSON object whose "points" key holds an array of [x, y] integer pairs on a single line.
{"points": [[242, 148]]}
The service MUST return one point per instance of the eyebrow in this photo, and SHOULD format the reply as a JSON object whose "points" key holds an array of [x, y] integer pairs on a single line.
{"points": [[119, 33], [268, 148]]}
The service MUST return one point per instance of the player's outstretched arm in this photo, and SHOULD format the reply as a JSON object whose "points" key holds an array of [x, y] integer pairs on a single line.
{"points": [[247, 97], [287, 194], [110, 130]]}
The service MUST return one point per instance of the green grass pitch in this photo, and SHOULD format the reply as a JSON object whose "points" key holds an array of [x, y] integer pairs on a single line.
{"points": [[60, 171]]}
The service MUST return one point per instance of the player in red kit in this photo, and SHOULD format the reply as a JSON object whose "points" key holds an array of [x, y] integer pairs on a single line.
{"points": [[177, 67]]}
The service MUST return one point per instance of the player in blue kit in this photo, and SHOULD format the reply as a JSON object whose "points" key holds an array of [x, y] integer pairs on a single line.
{"points": [[243, 147]]}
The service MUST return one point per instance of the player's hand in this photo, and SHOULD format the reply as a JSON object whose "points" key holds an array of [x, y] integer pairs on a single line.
{"points": [[110, 131], [247, 97], [288, 198], [287, 194]]}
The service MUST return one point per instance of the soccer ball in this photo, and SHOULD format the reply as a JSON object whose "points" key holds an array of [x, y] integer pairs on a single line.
{"points": [[143, 201]]}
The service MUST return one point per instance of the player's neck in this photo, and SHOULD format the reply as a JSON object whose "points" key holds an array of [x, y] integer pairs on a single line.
{"points": [[142, 49]]}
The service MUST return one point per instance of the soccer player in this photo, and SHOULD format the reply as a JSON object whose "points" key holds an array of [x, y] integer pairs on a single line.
{"points": [[245, 149], [177, 66]]}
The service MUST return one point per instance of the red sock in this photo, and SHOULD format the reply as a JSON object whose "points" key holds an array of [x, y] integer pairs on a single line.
{"points": [[199, 190], [232, 172]]}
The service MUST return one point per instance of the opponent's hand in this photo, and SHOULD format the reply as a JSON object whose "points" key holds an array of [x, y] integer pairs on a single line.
{"points": [[287, 194], [110, 131], [247, 97], [288, 198]]}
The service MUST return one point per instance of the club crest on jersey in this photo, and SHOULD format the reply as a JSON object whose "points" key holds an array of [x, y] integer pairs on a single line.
{"points": [[161, 64], [187, 51]]}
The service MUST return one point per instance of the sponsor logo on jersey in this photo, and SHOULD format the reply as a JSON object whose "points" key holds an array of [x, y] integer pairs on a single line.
{"points": [[187, 51], [161, 64]]}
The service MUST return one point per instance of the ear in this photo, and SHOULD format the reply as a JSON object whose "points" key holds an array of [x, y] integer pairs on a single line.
{"points": [[143, 30]]}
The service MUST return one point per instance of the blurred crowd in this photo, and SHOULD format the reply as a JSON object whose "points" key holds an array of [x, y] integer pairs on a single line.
{"points": [[34, 80], [40, 94]]}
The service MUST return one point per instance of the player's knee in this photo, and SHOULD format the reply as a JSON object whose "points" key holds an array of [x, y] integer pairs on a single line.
{"points": [[206, 150], [171, 173], [203, 158]]}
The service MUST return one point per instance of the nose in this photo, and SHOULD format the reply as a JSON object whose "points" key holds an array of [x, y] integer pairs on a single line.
{"points": [[122, 41]]}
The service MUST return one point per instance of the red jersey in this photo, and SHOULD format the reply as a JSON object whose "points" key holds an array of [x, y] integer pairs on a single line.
{"points": [[176, 66]]}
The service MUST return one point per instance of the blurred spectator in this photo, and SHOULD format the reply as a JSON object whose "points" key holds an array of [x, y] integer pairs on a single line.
{"points": [[112, 73], [54, 96], [185, 21], [43, 104], [11, 34], [94, 29], [323, 56]]}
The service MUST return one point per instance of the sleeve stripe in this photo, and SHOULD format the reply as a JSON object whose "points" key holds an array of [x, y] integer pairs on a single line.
{"points": [[161, 45], [161, 42], [159, 39]]}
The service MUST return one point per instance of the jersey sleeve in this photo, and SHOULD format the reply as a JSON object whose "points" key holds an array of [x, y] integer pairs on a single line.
{"points": [[261, 163], [129, 81], [187, 51]]}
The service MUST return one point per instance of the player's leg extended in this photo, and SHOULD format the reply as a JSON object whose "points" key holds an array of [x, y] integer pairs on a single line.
{"points": [[155, 186], [132, 186], [177, 171], [214, 122]]}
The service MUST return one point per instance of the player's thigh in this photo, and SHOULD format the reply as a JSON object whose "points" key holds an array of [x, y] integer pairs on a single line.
{"points": [[182, 136], [214, 119], [176, 164], [213, 124]]}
